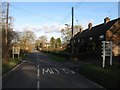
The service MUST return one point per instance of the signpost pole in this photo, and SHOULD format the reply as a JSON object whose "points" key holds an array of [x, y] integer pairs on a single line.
{"points": [[103, 64], [13, 52], [106, 51], [110, 53]]}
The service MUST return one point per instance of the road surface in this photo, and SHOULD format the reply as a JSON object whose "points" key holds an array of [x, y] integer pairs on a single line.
{"points": [[38, 71]]}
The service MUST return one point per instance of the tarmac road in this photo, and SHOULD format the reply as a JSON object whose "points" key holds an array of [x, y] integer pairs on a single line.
{"points": [[38, 71]]}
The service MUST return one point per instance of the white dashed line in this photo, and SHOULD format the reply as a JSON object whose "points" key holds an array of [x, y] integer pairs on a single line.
{"points": [[38, 66], [38, 77], [38, 73], [38, 85]]}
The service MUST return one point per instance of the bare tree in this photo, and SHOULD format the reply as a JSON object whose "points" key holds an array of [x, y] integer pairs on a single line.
{"points": [[27, 40], [67, 34], [40, 42]]}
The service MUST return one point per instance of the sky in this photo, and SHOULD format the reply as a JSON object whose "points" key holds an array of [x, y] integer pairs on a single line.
{"points": [[48, 18]]}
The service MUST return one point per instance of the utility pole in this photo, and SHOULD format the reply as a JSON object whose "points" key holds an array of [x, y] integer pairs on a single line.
{"points": [[72, 30], [6, 31]]}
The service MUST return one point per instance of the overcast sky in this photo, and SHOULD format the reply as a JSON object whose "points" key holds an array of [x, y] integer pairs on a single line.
{"points": [[48, 18]]}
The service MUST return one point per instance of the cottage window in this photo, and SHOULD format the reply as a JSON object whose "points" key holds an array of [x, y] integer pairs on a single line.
{"points": [[74, 41], [90, 38], [101, 36]]}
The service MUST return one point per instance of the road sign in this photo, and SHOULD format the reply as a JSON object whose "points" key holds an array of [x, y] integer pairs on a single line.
{"points": [[106, 51], [15, 50]]}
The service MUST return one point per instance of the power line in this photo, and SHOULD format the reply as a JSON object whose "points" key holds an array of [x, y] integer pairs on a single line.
{"points": [[32, 13], [67, 17], [24, 10], [77, 5]]}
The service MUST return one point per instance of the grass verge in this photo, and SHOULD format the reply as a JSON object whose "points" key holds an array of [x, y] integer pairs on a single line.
{"points": [[56, 58], [108, 77], [6, 67]]}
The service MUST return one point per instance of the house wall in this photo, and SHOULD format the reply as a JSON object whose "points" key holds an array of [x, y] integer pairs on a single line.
{"points": [[113, 34], [92, 43]]}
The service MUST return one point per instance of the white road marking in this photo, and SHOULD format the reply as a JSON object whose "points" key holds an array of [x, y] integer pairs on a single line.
{"points": [[38, 85], [13, 68], [38, 77], [38, 73], [47, 71], [67, 71], [56, 71], [38, 66]]}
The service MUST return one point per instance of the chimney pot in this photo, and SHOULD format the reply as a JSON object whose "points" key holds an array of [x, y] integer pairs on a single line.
{"points": [[89, 26], [106, 20]]}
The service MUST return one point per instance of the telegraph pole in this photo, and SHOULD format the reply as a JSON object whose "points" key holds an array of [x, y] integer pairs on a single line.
{"points": [[6, 31], [72, 30]]}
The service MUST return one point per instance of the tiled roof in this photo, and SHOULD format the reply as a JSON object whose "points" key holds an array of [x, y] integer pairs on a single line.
{"points": [[96, 30]]}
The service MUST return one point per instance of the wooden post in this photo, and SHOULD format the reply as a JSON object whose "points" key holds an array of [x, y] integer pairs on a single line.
{"points": [[13, 52], [72, 30], [6, 31], [18, 52]]}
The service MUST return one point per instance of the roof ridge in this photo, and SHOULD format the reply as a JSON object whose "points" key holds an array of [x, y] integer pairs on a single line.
{"points": [[96, 30]]}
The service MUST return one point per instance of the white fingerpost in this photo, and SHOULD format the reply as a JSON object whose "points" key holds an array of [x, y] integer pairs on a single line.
{"points": [[106, 51]]}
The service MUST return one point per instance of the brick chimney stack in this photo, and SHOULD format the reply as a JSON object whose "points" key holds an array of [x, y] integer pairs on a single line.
{"points": [[106, 20], [89, 26]]}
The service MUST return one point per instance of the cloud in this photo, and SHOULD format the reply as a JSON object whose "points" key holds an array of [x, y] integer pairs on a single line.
{"points": [[53, 27], [44, 29]]}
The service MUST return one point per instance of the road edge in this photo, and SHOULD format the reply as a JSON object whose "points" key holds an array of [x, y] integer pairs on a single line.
{"points": [[13, 69]]}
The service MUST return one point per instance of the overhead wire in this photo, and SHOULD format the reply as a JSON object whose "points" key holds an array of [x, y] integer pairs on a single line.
{"points": [[65, 19], [31, 13], [76, 6]]}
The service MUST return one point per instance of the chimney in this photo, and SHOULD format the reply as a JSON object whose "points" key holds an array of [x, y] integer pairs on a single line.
{"points": [[106, 20], [89, 26]]}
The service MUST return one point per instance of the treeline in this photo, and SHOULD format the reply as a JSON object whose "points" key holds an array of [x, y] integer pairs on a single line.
{"points": [[43, 44]]}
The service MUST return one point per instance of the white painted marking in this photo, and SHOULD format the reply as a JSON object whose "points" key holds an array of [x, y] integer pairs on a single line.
{"points": [[38, 66], [50, 70], [47, 71], [24, 61], [38, 77], [38, 85], [13, 68], [54, 69], [67, 71], [16, 67], [38, 73]]}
